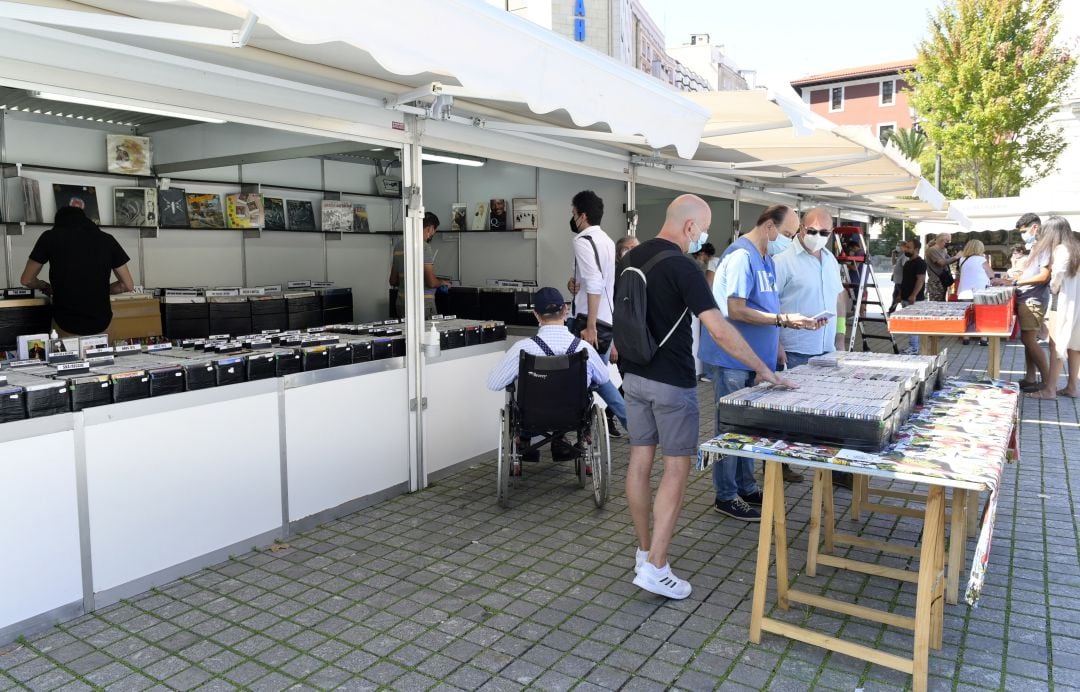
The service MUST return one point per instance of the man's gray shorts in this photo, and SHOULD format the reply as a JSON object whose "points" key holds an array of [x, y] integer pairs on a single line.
{"points": [[661, 414]]}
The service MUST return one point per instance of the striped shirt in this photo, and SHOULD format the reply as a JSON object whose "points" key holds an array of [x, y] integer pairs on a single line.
{"points": [[558, 338]]}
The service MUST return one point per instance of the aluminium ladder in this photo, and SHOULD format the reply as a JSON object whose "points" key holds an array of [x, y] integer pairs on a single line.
{"points": [[858, 292]]}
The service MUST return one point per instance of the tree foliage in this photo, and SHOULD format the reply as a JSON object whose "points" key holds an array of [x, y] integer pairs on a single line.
{"points": [[910, 141], [987, 79]]}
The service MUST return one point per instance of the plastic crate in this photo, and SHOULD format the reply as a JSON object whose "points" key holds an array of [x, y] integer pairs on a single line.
{"points": [[994, 318]]}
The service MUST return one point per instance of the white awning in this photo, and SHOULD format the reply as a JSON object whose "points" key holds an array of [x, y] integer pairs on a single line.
{"points": [[481, 53]]}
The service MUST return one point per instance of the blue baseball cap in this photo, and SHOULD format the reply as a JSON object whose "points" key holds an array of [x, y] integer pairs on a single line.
{"points": [[548, 301]]}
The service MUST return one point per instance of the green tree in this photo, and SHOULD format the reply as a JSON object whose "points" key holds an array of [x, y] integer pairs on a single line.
{"points": [[987, 79], [910, 141]]}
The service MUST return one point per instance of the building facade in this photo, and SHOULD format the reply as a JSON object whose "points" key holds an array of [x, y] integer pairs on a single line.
{"points": [[874, 95], [701, 57]]}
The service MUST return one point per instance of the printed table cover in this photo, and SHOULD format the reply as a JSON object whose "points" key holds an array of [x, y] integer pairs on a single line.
{"points": [[963, 433]]}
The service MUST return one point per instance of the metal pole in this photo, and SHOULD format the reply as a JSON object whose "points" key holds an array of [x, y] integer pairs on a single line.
{"points": [[937, 170], [631, 197], [413, 241]]}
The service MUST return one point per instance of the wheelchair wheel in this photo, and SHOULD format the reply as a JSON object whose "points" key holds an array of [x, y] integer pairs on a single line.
{"points": [[599, 457], [504, 466]]}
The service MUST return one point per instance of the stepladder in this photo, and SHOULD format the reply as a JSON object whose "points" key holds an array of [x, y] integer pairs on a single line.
{"points": [[863, 291]]}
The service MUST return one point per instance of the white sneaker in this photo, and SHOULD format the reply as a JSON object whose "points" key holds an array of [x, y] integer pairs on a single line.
{"points": [[640, 557], [662, 582]]}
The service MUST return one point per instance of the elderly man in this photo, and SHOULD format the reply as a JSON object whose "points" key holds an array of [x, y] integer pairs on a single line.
{"points": [[661, 395], [745, 290]]}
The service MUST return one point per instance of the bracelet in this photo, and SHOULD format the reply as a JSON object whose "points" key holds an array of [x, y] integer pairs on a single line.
{"points": [[778, 324]]}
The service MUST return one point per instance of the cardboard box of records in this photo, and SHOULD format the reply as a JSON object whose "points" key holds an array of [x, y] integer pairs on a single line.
{"points": [[135, 316]]}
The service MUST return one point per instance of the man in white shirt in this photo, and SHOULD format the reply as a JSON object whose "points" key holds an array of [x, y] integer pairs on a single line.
{"points": [[593, 286]]}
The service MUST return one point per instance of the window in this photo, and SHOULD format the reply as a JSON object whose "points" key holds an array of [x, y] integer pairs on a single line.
{"points": [[884, 131], [888, 92], [836, 99]]}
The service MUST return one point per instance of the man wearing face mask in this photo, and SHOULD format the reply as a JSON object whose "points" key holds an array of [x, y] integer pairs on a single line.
{"points": [[745, 291], [782, 241], [1032, 302], [593, 289]]}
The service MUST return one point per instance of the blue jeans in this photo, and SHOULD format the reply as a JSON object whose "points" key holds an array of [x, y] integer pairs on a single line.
{"points": [[913, 341], [796, 359], [610, 394], [733, 476]]}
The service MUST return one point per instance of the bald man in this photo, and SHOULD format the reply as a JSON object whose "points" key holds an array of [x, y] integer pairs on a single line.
{"points": [[661, 395]]}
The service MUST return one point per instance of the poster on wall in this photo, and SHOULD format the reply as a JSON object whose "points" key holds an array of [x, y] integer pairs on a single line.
{"points": [[459, 215], [127, 154], [301, 215], [244, 210], [479, 219], [82, 196], [205, 211], [172, 208], [337, 216], [497, 217], [361, 224], [526, 214], [135, 206], [273, 214]]}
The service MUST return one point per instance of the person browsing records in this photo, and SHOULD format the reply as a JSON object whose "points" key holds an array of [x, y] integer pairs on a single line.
{"points": [[81, 258]]}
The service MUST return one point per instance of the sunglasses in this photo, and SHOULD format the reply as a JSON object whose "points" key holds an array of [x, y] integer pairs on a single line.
{"points": [[817, 231]]}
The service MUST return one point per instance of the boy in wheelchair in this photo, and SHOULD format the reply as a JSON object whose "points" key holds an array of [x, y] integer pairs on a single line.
{"points": [[552, 339]]}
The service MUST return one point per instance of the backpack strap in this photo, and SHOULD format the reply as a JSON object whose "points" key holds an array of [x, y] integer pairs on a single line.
{"points": [[599, 264], [573, 346], [644, 271], [543, 346]]}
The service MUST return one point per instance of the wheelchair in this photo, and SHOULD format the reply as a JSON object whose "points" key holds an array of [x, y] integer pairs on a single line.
{"points": [[551, 397]]}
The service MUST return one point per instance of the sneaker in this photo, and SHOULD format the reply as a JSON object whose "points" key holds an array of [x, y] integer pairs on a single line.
{"points": [[640, 558], [737, 509], [662, 582], [612, 425], [910, 352], [755, 498]]}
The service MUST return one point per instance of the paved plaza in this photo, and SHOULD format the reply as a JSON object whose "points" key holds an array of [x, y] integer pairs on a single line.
{"points": [[442, 589]]}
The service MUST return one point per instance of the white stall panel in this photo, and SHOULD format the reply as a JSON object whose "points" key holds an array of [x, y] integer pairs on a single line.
{"points": [[41, 564], [278, 257], [456, 432], [170, 487], [346, 439]]}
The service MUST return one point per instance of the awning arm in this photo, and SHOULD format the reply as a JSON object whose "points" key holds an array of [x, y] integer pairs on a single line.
{"points": [[839, 163], [229, 38], [845, 158], [552, 131], [743, 129]]}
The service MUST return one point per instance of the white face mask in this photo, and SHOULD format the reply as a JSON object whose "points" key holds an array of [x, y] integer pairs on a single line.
{"points": [[814, 243]]}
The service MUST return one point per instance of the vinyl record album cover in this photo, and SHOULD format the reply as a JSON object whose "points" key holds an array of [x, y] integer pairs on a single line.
{"points": [[23, 200], [526, 214], [337, 216], [204, 211], [33, 346], [82, 196], [244, 210], [497, 215], [128, 154], [360, 219], [301, 215], [480, 218], [273, 214], [135, 206], [172, 208], [459, 214]]}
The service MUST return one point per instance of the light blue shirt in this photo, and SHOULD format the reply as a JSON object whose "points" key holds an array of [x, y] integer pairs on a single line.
{"points": [[808, 286], [558, 338]]}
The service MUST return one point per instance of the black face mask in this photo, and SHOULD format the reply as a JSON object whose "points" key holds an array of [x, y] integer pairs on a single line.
{"points": [[909, 254], [573, 226]]}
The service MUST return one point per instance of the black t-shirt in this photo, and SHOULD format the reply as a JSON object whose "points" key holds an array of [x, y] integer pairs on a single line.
{"points": [[913, 268], [674, 285], [80, 261]]}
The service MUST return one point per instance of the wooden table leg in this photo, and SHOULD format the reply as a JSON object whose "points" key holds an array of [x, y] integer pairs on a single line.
{"points": [[830, 511], [815, 523], [924, 346], [765, 533], [859, 493], [938, 605], [933, 521], [780, 530], [957, 543], [993, 365]]}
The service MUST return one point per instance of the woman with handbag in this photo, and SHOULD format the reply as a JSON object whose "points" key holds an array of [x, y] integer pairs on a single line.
{"points": [[975, 274], [939, 278]]}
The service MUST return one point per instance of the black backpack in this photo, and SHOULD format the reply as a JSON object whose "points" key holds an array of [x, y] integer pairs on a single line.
{"points": [[632, 336]]}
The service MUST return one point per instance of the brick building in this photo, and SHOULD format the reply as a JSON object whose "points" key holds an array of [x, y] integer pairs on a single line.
{"points": [[874, 95]]}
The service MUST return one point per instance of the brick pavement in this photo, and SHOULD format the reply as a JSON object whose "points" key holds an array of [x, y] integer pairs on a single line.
{"points": [[442, 589]]}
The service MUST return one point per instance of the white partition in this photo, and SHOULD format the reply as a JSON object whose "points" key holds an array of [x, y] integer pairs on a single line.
{"points": [[41, 568], [345, 439], [461, 421], [168, 487]]}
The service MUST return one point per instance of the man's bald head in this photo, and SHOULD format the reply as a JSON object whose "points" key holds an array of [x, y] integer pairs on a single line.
{"points": [[818, 217], [688, 216]]}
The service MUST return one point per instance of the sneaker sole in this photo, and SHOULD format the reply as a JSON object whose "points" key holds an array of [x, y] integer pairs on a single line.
{"points": [[659, 590], [735, 516]]}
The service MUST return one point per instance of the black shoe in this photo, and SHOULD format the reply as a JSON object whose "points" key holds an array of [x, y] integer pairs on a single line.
{"points": [[561, 450], [612, 425], [737, 509], [1030, 386], [755, 498], [533, 455], [965, 341], [842, 479]]}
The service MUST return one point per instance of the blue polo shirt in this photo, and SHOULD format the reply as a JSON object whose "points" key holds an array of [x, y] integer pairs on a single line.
{"points": [[745, 273]]}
